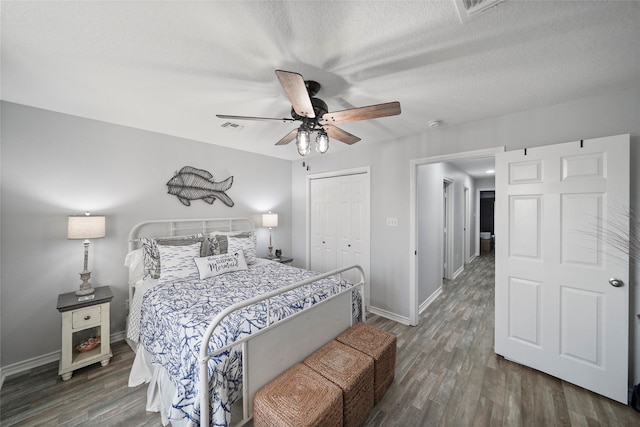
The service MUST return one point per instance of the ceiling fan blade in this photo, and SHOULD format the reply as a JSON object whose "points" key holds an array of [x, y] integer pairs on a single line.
{"points": [[340, 135], [294, 87], [265, 119], [288, 137], [363, 113]]}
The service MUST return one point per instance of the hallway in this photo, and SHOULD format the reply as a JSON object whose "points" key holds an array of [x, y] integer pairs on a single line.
{"points": [[448, 375]]}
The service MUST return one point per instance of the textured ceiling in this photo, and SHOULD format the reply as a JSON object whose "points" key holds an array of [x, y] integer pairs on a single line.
{"points": [[169, 67]]}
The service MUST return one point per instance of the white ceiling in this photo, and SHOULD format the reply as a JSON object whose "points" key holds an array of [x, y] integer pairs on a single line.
{"points": [[169, 67], [476, 168]]}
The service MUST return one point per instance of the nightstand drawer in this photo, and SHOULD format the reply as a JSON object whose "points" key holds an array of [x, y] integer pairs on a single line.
{"points": [[87, 317]]}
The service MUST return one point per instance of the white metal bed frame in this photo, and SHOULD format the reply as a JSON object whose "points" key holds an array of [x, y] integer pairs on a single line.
{"points": [[184, 227], [287, 342]]}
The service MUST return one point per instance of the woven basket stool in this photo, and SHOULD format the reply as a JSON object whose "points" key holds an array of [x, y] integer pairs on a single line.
{"points": [[352, 371], [299, 397], [381, 346]]}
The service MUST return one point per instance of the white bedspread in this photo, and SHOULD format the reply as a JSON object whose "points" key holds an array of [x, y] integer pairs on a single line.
{"points": [[172, 319]]}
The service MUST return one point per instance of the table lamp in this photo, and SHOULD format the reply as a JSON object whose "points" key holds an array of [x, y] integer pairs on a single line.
{"points": [[270, 220], [86, 227]]}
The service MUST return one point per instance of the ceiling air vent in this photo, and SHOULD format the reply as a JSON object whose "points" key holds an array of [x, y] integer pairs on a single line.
{"points": [[231, 125], [468, 9]]}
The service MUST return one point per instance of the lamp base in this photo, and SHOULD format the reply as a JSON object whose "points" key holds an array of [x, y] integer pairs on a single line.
{"points": [[85, 286], [270, 255]]}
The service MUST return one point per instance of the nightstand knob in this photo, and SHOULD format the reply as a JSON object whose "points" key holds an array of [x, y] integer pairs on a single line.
{"points": [[87, 317]]}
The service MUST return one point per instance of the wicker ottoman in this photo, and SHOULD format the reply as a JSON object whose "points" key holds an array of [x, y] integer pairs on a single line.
{"points": [[352, 371], [381, 346], [299, 397]]}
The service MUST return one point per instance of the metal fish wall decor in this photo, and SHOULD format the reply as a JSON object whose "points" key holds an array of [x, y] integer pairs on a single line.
{"points": [[197, 184]]}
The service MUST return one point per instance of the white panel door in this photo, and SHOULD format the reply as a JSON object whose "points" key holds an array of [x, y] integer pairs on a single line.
{"points": [[324, 213], [353, 224], [561, 223], [316, 219]]}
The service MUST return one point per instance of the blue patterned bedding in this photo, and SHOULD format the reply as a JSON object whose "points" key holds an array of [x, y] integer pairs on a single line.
{"points": [[175, 316]]}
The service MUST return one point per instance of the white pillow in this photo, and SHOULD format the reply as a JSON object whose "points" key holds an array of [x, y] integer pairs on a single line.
{"points": [[135, 261], [215, 265], [246, 244], [176, 262]]}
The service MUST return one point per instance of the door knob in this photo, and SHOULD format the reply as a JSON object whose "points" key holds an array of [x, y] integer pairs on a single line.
{"points": [[616, 282]]}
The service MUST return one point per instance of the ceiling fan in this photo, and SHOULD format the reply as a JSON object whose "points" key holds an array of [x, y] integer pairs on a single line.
{"points": [[315, 116]]}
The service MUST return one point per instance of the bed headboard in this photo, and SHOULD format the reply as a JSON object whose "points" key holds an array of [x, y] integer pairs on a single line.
{"points": [[183, 227]]}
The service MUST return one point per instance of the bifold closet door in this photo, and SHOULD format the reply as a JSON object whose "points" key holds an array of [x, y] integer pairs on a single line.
{"points": [[340, 223], [352, 243], [324, 213]]}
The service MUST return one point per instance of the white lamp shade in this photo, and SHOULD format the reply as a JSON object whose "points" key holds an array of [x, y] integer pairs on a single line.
{"points": [[270, 220], [86, 227]]}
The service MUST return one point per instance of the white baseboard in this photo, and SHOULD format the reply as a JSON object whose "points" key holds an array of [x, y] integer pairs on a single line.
{"points": [[34, 362], [457, 273], [389, 315], [119, 336], [429, 300]]}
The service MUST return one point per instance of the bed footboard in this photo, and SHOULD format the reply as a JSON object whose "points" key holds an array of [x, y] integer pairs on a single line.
{"points": [[287, 341]]}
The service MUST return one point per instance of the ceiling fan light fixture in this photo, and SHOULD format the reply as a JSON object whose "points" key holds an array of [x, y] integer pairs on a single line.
{"points": [[322, 142], [302, 142], [315, 116]]}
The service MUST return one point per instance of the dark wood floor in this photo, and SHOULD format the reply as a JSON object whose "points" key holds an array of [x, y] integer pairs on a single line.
{"points": [[446, 375]]}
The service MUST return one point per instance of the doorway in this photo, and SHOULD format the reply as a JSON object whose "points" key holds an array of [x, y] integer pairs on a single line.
{"points": [[414, 288], [467, 226], [447, 228], [487, 201]]}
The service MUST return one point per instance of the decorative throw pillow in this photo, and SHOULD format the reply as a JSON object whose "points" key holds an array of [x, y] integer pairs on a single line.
{"points": [[219, 241], [246, 244], [215, 265], [214, 245], [151, 256], [176, 262]]}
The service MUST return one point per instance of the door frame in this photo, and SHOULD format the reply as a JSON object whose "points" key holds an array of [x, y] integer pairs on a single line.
{"points": [[477, 236], [413, 216], [467, 224], [447, 221]]}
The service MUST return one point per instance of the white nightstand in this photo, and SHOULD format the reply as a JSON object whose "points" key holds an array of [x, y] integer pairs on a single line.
{"points": [[81, 321]]}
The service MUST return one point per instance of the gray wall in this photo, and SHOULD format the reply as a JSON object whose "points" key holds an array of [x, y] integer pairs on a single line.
{"points": [[611, 114], [430, 223], [54, 165]]}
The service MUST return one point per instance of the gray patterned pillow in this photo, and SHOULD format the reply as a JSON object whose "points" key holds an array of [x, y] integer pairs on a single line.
{"points": [[219, 242], [246, 244]]}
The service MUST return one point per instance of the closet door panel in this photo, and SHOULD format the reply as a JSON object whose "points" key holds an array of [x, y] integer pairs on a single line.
{"points": [[316, 223], [340, 224]]}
